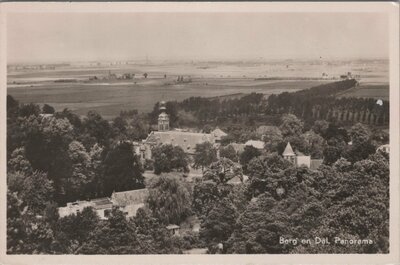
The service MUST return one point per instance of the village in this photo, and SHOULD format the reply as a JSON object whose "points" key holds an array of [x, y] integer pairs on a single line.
{"points": [[130, 201]]}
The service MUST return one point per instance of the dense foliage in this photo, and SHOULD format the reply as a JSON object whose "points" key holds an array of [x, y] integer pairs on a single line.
{"points": [[246, 200], [322, 102], [168, 158]]}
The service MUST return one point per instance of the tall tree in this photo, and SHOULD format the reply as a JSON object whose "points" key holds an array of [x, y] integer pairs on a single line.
{"points": [[204, 155], [34, 189], [169, 200], [362, 145], [222, 171], [122, 170], [47, 109], [291, 125], [320, 127], [315, 144], [248, 154], [272, 137], [98, 128], [168, 158], [219, 223], [19, 162], [115, 236], [229, 152], [82, 172], [206, 194], [31, 109]]}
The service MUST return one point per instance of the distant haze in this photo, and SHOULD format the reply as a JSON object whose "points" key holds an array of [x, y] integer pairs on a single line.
{"points": [[54, 37]]}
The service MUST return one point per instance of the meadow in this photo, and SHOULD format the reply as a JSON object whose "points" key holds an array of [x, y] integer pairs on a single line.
{"points": [[110, 96], [377, 91]]}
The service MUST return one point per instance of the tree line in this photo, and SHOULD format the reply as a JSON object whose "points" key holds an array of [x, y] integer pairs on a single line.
{"points": [[52, 159], [316, 103]]}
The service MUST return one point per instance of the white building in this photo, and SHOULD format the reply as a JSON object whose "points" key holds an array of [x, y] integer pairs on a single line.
{"points": [[126, 201], [298, 159], [102, 207]]}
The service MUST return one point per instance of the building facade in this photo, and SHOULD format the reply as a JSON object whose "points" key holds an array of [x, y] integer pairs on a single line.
{"points": [[299, 159]]}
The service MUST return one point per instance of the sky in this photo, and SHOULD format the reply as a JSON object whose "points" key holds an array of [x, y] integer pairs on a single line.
{"points": [[55, 37]]}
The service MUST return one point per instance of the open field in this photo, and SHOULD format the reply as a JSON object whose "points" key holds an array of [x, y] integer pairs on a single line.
{"points": [[368, 91], [110, 98], [70, 86]]}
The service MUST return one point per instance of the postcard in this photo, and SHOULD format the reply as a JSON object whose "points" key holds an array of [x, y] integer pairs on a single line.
{"points": [[200, 133]]}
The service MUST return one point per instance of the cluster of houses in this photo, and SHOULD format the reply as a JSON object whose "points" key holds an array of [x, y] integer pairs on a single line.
{"points": [[113, 76], [188, 140], [130, 201]]}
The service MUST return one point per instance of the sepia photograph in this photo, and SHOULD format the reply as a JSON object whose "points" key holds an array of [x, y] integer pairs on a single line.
{"points": [[148, 132]]}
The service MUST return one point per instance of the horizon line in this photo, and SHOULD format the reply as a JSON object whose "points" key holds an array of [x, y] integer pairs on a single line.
{"points": [[191, 60]]}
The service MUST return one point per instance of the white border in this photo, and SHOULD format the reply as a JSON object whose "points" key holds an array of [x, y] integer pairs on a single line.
{"points": [[392, 9]]}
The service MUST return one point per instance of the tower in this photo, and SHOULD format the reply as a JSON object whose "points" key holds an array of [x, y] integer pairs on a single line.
{"points": [[163, 118], [288, 154]]}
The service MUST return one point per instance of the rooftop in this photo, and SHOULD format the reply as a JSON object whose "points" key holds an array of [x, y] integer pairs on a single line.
{"points": [[218, 133], [124, 198], [101, 203], [235, 180], [288, 150], [255, 143], [186, 140]]}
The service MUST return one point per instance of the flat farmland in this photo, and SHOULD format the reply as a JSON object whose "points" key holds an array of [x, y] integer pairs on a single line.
{"points": [[73, 86], [378, 91], [110, 97]]}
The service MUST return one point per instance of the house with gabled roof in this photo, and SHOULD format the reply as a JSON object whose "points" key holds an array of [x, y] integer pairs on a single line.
{"points": [[299, 159], [296, 158]]}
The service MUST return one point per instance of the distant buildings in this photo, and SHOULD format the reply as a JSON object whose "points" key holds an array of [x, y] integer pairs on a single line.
{"points": [[346, 77]]}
